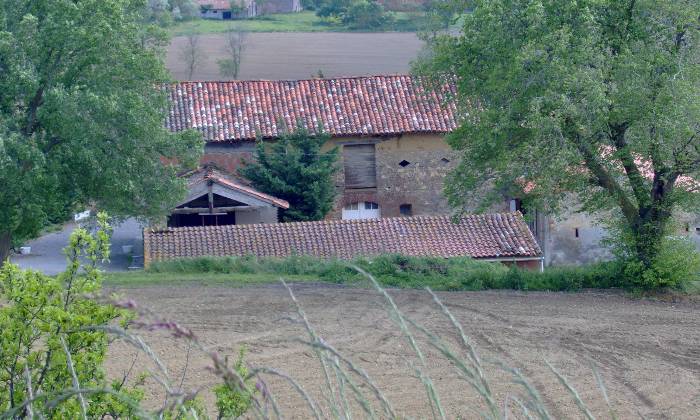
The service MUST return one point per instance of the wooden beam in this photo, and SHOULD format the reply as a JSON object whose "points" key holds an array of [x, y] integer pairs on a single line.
{"points": [[198, 210]]}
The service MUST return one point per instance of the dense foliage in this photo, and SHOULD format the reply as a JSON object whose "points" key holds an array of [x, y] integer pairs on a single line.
{"points": [[355, 14], [46, 349], [54, 333], [294, 168], [411, 272], [598, 98], [366, 15], [81, 118], [166, 12]]}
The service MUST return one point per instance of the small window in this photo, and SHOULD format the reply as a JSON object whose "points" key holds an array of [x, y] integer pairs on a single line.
{"points": [[404, 163], [351, 206], [576, 232], [406, 210], [371, 206], [445, 160]]}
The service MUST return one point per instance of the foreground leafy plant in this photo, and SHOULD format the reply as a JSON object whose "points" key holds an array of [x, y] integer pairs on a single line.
{"points": [[45, 352]]}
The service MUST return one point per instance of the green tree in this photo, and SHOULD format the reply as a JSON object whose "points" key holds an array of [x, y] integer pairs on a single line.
{"points": [[366, 15], [599, 98], [295, 169], [333, 9], [81, 118]]}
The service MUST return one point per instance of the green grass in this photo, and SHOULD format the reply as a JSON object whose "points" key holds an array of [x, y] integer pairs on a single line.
{"points": [[305, 21], [390, 270]]}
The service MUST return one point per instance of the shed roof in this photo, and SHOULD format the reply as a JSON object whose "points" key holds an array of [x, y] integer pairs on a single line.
{"points": [[487, 236]]}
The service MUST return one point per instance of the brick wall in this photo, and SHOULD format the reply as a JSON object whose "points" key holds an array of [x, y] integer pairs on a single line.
{"points": [[228, 156]]}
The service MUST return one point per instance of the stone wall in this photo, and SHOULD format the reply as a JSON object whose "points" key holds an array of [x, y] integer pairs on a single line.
{"points": [[577, 238], [418, 182]]}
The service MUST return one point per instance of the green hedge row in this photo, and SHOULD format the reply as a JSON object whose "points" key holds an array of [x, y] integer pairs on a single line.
{"points": [[410, 272]]}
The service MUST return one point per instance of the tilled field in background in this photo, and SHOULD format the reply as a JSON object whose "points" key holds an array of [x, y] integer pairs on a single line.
{"points": [[293, 55]]}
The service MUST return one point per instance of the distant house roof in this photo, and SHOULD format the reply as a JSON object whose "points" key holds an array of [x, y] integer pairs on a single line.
{"points": [[488, 236], [215, 4], [210, 174], [356, 106]]}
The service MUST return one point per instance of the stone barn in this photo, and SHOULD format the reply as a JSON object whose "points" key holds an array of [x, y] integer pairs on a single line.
{"points": [[390, 130]]}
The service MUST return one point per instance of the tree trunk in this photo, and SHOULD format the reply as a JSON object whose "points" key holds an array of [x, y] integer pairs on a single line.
{"points": [[648, 236], [5, 246]]}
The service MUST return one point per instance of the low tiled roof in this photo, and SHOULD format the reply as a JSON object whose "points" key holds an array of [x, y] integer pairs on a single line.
{"points": [[501, 235], [372, 105], [211, 174]]}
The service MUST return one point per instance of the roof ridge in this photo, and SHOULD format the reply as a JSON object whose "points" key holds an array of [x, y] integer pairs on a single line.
{"points": [[346, 221]]}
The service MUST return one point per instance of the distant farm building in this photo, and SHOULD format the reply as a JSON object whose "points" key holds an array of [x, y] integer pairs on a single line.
{"points": [[242, 9]]}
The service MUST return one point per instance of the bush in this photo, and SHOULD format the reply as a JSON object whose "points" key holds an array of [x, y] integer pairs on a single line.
{"points": [[232, 403], [46, 340], [411, 272], [675, 267], [366, 15]]}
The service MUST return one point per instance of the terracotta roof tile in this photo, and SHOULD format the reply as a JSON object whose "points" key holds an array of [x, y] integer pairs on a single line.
{"points": [[500, 235], [211, 174], [372, 105]]}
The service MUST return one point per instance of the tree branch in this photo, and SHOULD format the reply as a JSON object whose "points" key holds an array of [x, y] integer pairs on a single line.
{"points": [[605, 180], [635, 177]]}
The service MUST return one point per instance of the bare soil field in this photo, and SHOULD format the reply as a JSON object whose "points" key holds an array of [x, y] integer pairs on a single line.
{"points": [[295, 55], [648, 352]]}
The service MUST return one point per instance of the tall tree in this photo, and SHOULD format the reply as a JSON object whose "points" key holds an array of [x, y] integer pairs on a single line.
{"points": [[81, 117], [595, 97], [191, 53], [234, 44], [295, 169]]}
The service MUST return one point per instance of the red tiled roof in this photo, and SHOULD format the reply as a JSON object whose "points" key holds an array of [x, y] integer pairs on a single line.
{"points": [[216, 4], [500, 235], [372, 105], [211, 174]]}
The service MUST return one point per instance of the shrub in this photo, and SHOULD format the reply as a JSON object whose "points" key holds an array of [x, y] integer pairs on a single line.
{"points": [[366, 15], [460, 273], [232, 402], [45, 344], [676, 266]]}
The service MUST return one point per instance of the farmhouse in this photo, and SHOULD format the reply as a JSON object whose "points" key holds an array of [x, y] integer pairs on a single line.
{"points": [[241, 9], [493, 237], [394, 157]]}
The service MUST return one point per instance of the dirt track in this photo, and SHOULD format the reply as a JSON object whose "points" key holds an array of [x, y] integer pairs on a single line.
{"points": [[648, 352], [295, 55]]}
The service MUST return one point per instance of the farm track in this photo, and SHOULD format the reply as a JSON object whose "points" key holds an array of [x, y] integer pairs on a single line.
{"points": [[648, 352]]}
